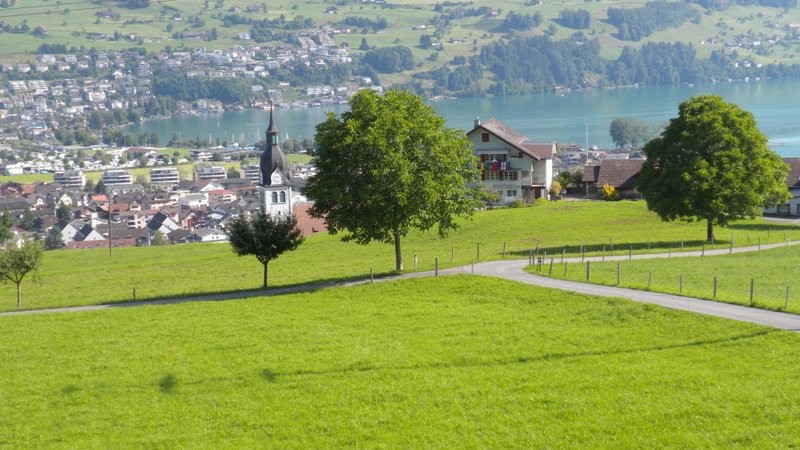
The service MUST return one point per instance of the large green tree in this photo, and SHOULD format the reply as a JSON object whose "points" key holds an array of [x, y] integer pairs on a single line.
{"points": [[264, 236], [628, 130], [711, 163], [17, 261], [389, 165]]}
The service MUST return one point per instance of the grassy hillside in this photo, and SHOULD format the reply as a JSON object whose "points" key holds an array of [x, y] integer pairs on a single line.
{"points": [[447, 362], [152, 27], [769, 270], [92, 276]]}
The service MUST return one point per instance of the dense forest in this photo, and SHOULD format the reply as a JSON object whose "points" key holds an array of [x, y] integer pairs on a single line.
{"points": [[637, 23], [538, 64]]}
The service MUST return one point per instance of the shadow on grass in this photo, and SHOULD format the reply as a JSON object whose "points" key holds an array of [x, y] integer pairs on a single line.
{"points": [[168, 383], [241, 294], [269, 375], [525, 359]]}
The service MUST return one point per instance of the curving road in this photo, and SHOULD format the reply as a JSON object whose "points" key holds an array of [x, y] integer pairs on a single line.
{"points": [[513, 270]]}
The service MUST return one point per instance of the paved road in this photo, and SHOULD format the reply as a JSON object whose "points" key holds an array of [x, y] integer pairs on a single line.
{"points": [[513, 270]]}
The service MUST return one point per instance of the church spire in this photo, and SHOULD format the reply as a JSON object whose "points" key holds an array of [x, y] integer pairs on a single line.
{"points": [[267, 156]]}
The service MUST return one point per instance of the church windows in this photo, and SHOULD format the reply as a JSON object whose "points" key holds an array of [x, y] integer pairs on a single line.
{"points": [[274, 197], [283, 197]]}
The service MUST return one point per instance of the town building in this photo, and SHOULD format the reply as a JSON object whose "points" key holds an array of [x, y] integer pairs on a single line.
{"points": [[70, 178], [113, 177], [164, 177], [511, 164], [210, 173]]}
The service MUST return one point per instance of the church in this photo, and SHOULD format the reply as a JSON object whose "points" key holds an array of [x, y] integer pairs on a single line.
{"points": [[275, 188]]}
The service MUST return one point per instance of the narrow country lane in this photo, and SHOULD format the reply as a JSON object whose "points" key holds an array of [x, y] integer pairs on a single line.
{"points": [[514, 270]]}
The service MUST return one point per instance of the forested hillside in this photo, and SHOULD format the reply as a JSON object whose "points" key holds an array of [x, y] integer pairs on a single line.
{"points": [[433, 48]]}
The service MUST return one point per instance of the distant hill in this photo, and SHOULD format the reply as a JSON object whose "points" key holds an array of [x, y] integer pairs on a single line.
{"points": [[501, 47]]}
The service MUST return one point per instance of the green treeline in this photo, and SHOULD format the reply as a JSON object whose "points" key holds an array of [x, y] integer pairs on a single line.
{"points": [[637, 23], [575, 18], [181, 87], [538, 64]]}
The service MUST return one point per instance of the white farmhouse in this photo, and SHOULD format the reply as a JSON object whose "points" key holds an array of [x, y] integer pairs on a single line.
{"points": [[511, 164]]}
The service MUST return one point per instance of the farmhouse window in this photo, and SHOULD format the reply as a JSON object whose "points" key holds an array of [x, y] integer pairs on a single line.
{"points": [[484, 137]]}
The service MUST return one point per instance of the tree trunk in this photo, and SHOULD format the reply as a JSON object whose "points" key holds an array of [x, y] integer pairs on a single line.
{"points": [[398, 255], [265, 274], [710, 231], [19, 294]]}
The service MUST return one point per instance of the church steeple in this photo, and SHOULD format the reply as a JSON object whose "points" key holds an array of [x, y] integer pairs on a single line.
{"points": [[273, 157]]}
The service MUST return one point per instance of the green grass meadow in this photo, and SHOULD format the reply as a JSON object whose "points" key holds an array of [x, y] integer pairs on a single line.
{"points": [[442, 362], [80, 277], [770, 272]]}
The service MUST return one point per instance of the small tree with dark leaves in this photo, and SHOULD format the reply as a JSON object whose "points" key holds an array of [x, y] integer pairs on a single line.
{"points": [[264, 236]]}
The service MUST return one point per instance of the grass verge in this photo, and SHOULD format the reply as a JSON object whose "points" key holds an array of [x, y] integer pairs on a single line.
{"points": [[451, 361]]}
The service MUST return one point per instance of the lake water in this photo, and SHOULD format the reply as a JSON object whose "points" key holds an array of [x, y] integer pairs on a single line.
{"points": [[579, 117]]}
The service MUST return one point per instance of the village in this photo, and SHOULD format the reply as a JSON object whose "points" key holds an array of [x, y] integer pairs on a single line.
{"points": [[166, 207]]}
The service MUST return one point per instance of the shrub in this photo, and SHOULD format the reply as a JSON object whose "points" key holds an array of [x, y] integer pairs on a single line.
{"points": [[610, 193]]}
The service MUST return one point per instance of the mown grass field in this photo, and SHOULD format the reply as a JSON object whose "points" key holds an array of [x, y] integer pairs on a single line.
{"points": [[449, 362], [92, 276], [771, 273]]}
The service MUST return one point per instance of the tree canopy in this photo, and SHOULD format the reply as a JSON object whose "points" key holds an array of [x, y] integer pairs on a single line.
{"points": [[389, 165], [711, 163], [264, 236], [17, 261], [628, 130]]}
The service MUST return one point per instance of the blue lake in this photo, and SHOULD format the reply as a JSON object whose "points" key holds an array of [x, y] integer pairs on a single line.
{"points": [[580, 117]]}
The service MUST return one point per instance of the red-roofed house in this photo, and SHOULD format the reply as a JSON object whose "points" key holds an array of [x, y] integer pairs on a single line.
{"points": [[511, 164], [221, 196]]}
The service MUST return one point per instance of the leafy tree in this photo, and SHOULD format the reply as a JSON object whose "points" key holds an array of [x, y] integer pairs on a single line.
{"points": [[63, 214], [364, 45], [100, 187], [389, 165], [158, 238], [233, 173], [5, 227], [711, 163], [53, 239], [627, 130], [17, 261], [28, 220], [264, 236], [425, 41]]}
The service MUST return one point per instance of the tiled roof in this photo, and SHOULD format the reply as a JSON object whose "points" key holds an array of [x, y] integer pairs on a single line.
{"points": [[620, 173], [793, 177], [590, 174], [536, 150]]}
